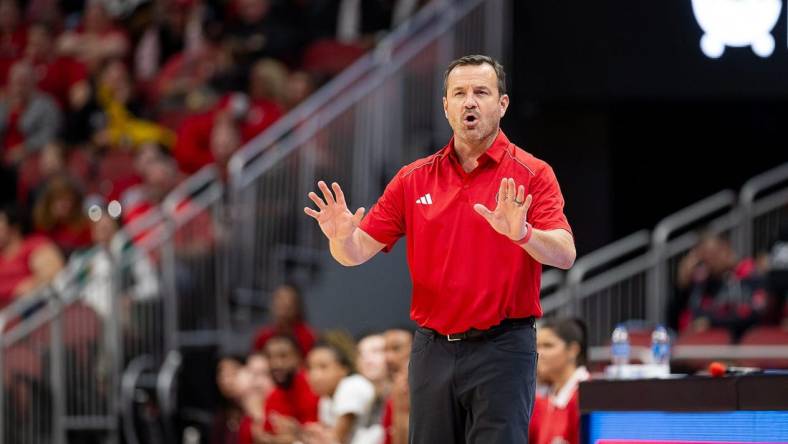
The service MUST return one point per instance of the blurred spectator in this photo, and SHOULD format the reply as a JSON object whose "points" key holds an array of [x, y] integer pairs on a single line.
{"points": [[176, 26], [96, 40], [193, 142], [225, 140], [562, 348], [268, 80], [146, 156], [372, 365], [263, 110], [300, 85], [346, 397], [396, 412], [13, 36], [29, 119], [62, 77], [228, 418], [257, 32], [124, 125], [719, 290], [158, 179], [260, 387], [59, 214], [192, 80], [26, 262], [36, 171], [288, 318], [778, 275], [110, 257], [292, 403], [248, 114]]}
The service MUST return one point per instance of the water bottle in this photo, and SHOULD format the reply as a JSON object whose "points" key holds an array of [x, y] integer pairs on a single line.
{"points": [[619, 349], [660, 346]]}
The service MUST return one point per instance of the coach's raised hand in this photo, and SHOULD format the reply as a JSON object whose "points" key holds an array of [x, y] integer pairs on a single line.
{"points": [[349, 245], [508, 217], [334, 217]]}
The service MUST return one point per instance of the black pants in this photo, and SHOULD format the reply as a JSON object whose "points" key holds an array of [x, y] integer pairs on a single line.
{"points": [[474, 392]]}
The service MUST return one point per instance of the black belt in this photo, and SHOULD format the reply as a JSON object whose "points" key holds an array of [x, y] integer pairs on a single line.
{"points": [[476, 335]]}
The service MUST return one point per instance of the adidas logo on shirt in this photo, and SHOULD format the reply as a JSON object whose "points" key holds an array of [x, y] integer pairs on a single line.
{"points": [[425, 199]]}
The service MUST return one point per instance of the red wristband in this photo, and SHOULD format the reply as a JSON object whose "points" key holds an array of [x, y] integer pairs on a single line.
{"points": [[528, 233]]}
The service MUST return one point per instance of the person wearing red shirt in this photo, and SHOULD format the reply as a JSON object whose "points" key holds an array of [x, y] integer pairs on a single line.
{"points": [[13, 35], [291, 404], [481, 216], [62, 77], [562, 349], [250, 115], [97, 38], [287, 312], [26, 262]]}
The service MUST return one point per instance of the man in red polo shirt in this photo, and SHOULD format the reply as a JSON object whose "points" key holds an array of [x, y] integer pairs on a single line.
{"points": [[291, 404], [480, 216]]}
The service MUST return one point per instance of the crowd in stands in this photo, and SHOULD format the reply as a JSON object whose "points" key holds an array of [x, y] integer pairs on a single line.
{"points": [[105, 103], [716, 289], [296, 387]]}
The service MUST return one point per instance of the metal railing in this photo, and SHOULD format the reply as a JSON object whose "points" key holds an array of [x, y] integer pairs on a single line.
{"points": [[68, 351], [675, 235], [641, 287], [764, 203], [614, 295]]}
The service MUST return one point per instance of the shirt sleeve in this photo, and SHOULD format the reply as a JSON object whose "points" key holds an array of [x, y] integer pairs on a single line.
{"points": [[353, 396], [547, 209], [385, 222]]}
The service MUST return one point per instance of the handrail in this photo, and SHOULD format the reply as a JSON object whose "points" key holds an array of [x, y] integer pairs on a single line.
{"points": [[606, 254], [680, 219], [206, 181], [762, 182], [747, 199]]}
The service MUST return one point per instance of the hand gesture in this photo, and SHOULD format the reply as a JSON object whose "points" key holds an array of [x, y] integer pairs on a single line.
{"points": [[335, 219], [508, 217]]}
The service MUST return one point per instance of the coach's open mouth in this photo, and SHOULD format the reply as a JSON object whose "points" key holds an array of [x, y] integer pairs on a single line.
{"points": [[470, 120]]}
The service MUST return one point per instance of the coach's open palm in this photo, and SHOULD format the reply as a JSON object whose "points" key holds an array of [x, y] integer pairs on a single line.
{"points": [[334, 217], [508, 218]]}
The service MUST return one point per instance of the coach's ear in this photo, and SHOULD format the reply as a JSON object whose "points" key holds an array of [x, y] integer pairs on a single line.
{"points": [[445, 107], [504, 104]]}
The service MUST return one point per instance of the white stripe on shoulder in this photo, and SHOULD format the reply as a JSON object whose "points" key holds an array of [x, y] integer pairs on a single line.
{"points": [[521, 163], [436, 157]]}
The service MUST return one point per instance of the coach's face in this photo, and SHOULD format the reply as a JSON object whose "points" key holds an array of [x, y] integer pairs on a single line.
{"points": [[473, 105]]}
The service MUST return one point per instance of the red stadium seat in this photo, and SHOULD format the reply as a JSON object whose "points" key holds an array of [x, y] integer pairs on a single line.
{"points": [[20, 360], [81, 331], [766, 336], [714, 336], [114, 167]]}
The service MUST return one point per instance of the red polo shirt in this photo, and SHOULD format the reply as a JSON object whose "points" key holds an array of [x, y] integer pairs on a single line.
{"points": [[466, 275]]}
